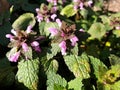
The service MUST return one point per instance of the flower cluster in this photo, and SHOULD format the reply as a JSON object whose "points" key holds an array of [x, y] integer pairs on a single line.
{"points": [[46, 14], [66, 36], [55, 2], [80, 4], [22, 40]]}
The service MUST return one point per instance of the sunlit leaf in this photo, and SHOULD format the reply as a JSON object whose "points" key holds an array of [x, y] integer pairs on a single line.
{"points": [[27, 74], [78, 65], [53, 50], [117, 33], [68, 10], [75, 84], [98, 66], [97, 30], [44, 27], [114, 60], [110, 80], [55, 79], [23, 21]]}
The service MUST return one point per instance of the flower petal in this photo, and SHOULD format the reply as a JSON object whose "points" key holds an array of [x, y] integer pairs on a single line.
{"points": [[25, 47], [34, 44], [14, 32], [53, 16], [37, 48], [63, 47], [29, 29], [53, 31], [74, 40], [14, 57], [59, 22]]}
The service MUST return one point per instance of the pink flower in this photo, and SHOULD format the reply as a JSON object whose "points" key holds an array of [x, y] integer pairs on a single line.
{"points": [[36, 46], [28, 30], [118, 27], [53, 31], [81, 30], [37, 9], [90, 3], [39, 17], [14, 57], [59, 22], [63, 47], [81, 5], [53, 16], [25, 47], [14, 32], [76, 0], [74, 40], [75, 7], [9, 36], [53, 9]]}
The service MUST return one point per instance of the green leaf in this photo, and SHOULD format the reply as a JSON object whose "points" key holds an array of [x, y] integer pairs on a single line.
{"points": [[84, 13], [44, 27], [97, 30], [110, 80], [51, 66], [58, 87], [5, 29], [28, 53], [78, 65], [75, 84], [98, 66], [68, 11], [23, 21], [53, 50], [55, 79], [27, 74], [114, 60], [106, 21], [117, 33], [75, 50]]}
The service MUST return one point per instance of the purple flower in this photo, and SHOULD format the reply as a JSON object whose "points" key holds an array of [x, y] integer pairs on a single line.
{"points": [[81, 5], [36, 46], [75, 7], [25, 47], [53, 1], [9, 36], [90, 3], [53, 16], [14, 32], [14, 57], [39, 17], [74, 40], [76, 0], [63, 47], [29, 29], [37, 10], [59, 22], [23, 40], [81, 30], [117, 27], [53, 9], [53, 31]]}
